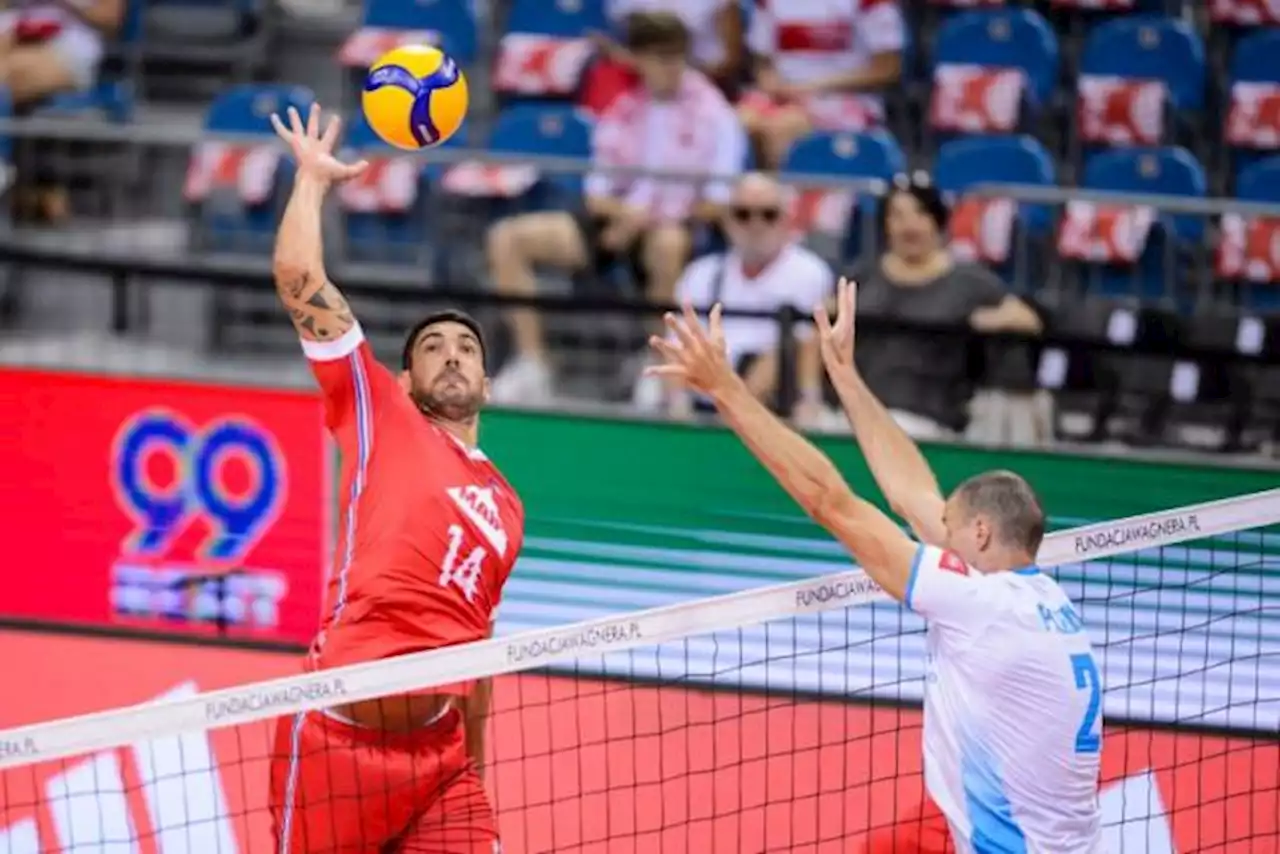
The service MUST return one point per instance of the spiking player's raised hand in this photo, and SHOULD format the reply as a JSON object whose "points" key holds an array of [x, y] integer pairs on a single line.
{"points": [[835, 340], [312, 149], [697, 357]]}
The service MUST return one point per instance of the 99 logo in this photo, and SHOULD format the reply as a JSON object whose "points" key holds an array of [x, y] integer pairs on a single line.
{"points": [[169, 473]]}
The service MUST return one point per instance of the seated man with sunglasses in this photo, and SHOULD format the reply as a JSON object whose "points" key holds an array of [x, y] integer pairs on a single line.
{"points": [[763, 271]]}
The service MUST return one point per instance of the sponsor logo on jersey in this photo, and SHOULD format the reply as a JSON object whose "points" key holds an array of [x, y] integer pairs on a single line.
{"points": [[480, 505], [951, 562]]}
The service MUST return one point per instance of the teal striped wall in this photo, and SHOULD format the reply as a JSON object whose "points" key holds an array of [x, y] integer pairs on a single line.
{"points": [[625, 515]]}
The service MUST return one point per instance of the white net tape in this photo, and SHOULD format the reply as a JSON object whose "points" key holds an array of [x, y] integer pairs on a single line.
{"points": [[548, 647]]}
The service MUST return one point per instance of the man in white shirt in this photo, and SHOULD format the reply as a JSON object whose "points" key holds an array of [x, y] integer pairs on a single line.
{"points": [[1013, 694], [764, 270], [677, 121]]}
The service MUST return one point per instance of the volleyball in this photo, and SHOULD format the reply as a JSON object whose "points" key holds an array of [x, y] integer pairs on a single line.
{"points": [[415, 97]]}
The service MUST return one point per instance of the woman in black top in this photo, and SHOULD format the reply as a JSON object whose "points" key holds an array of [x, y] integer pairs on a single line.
{"points": [[924, 378]]}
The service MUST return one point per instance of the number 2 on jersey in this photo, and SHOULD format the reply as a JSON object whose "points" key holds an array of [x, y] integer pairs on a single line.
{"points": [[462, 571], [1089, 736]]}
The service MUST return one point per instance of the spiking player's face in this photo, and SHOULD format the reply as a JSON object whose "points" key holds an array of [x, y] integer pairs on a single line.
{"points": [[446, 378]]}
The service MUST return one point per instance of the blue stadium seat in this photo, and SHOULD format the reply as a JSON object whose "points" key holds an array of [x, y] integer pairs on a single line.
{"points": [[964, 163], [544, 54], [541, 130], [1256, 59], [545, 130], [873, 154], [1003, 38], [248, 108], [565, 18], [1260, 182], [396, 237], [1166, 171], [113, 100], [1150, 47], [454, 20], [224, 222]]}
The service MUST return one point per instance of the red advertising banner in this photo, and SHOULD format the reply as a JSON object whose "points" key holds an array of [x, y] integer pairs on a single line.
{"points": [[582, 765], [163, 504]]}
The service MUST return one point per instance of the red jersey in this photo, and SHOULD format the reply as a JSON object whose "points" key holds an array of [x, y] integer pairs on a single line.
{"points": [[428, 530]]}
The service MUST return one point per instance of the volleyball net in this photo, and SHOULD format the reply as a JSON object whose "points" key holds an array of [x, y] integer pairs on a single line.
{"points": [[783, 718]]}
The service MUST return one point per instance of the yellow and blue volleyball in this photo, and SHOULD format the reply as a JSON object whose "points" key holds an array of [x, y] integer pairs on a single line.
{"points": [[415, 97]]}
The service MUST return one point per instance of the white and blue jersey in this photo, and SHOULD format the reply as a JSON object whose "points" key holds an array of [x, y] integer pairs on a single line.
{"points": [[1012, 709]]}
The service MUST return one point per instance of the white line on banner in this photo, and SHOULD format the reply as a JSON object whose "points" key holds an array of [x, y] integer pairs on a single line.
{"points": [[264, 700]]}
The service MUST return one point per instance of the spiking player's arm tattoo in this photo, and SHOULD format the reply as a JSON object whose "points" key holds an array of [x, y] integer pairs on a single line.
{"points": [[317, 308]]}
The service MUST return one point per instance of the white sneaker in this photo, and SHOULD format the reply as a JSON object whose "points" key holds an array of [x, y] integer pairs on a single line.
{"points": [[649, 395], [524, 380]]}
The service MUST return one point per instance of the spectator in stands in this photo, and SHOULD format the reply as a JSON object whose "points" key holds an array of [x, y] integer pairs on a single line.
{"points": [[47, 48], [765, 270], [924, 378], [50, 47], [677, 121], [715, 32], [818, 66]]}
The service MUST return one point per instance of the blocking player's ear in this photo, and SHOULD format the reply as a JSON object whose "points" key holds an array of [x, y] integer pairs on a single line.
{"points": [[983, 532], [486, 389], [406, 382]]}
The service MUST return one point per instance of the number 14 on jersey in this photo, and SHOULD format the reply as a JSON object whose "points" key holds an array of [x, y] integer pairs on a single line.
{"points": [[461, 570]]}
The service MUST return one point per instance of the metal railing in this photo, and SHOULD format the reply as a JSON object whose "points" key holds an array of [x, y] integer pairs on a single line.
{"points": [[132, 261]]}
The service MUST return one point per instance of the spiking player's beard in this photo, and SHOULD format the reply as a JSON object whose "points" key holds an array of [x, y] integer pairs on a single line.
{"points": [[457, 404]]}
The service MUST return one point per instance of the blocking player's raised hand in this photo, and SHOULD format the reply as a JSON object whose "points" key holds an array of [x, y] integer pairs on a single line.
{"points": [[835, 340], [696, 357], [313, 149]]}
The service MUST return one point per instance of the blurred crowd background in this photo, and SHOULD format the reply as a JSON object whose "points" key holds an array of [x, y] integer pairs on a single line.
{"points": [[1064, 216]]}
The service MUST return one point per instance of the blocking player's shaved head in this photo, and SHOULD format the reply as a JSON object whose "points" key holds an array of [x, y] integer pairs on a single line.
{"points": [[1009, 504]]}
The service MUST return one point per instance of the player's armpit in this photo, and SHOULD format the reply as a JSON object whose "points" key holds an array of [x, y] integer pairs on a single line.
{"points": [[881, 548], [942, 588]]}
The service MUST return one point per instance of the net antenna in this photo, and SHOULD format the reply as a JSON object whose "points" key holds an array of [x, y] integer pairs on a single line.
{"points": [[544, 647]]}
